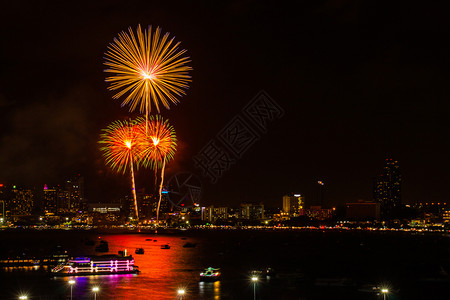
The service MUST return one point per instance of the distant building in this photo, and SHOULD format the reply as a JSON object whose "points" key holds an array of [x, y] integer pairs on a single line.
{"points": [[252, 211], [212, 214], [387, 189], [21, 202], [50, 200], [293, 205], [71, 197], [319, 213], [363, 211], [105, 213]]}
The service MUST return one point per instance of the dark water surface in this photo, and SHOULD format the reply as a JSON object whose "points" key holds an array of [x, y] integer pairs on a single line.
{"points": [[309, 264]]}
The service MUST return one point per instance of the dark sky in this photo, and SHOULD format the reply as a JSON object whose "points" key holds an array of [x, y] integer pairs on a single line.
{"points": [[360, 81]]}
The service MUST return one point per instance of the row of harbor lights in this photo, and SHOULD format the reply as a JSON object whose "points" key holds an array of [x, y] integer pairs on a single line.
{"points": [[181, 292], [95, 289]]}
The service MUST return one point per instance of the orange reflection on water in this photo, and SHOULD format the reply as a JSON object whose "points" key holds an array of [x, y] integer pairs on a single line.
{"points": [[163, 271]]}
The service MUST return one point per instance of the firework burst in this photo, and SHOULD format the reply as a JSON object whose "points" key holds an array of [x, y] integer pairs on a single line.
{"points": [[158, 141], [120, 148], [147, 67]]}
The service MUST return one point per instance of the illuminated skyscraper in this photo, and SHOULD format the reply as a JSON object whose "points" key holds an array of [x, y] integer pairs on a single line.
{"points": [[387, 189], [50, 200], [21, 202], [71, 197], [293, 205]]}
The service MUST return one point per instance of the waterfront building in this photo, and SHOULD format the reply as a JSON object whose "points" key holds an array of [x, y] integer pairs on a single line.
{"points": [[71, 197], [293, 205], [105, 213], [387, 189], [252, 211], [212, 214], [50, 198], [319, 213], [21, 202]]}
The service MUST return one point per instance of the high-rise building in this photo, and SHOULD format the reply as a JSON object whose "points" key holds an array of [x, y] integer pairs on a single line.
{"points": [[252, 211], [387, 189], [71, 197], [50, 200], [212, 214], [21, 202], [293, 205]]}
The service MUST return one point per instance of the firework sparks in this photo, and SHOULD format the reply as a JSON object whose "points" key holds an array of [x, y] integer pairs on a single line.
{"points": [[146, 67], [158, 143], [119, 146]]}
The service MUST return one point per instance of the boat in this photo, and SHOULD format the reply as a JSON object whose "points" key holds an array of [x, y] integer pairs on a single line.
{"points": [[165, 246], [96, 265], [210, 274], [189, 245], [102, 247], [148, 240], [139, 251]]}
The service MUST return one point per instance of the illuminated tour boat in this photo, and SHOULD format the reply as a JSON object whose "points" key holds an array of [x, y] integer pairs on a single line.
{"points": [[97, 265]]}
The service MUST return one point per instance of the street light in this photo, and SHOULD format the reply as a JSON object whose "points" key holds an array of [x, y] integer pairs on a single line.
{"points": [[384, 291], [71, 282], [24, 297], [254, 279], [95, 289]]}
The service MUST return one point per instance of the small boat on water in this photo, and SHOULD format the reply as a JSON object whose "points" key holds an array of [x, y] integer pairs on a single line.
{"points": [[148, 240], [165, 246], [210, 274], [139, 251], [189, 245], [96, 265]]}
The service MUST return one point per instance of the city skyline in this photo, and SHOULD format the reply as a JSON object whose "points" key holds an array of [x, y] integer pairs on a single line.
{"points": [[357, 84]]}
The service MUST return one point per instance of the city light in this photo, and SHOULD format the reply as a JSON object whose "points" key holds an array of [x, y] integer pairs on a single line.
{"points": [[95, 289], [254, 280], [22, 297], [71, 282]]}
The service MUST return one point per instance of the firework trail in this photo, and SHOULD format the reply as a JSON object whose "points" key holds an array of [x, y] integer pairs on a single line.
{"points": [[157, 144], [120, 148]]}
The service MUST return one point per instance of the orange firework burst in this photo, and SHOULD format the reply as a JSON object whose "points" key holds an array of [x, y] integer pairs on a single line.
{"points": [[146, 68], [157, 141], [120, 147]]}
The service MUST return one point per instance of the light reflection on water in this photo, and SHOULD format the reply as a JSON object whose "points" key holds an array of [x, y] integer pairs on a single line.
{"points": [[163, 272]]}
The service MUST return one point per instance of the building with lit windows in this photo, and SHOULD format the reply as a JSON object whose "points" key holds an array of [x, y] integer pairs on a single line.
{"points": [[212, 214], [70, 198], [252, 211], [293, 205], [21, 202], [387, 189], [50, 199]]}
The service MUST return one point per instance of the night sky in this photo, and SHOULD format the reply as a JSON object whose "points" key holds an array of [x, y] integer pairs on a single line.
{"points": [[359, 81]]}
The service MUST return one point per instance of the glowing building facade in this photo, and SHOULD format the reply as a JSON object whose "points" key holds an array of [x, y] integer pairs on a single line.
{"points": [[293, 206], [387, 189]]}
